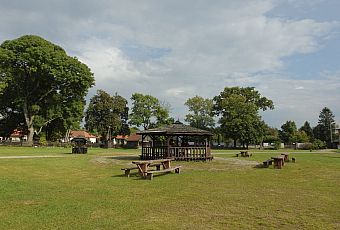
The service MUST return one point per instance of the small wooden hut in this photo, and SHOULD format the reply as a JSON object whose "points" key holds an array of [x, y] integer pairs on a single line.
{"points": [[176, 141]]}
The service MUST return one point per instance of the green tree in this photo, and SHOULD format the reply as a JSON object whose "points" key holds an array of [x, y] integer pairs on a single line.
{"points": [[42, 84], [200, 110], [324, 131], [106, 114], [302, 137], [148, 112], [238, 111], [271, 135], [288, 132], [308, 130]]}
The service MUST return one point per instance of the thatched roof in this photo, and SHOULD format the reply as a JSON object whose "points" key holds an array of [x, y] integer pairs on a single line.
{"points": [[176, 128]]}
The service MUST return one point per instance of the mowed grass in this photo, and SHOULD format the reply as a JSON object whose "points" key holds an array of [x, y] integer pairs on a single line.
{"points": [[52, 151], [90, 192]]}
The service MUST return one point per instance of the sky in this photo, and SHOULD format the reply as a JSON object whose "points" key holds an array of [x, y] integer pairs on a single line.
{"points": [[289, 50]]}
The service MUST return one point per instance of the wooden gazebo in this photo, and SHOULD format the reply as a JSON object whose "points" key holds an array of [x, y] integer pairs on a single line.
{"points": [[176, 141]]}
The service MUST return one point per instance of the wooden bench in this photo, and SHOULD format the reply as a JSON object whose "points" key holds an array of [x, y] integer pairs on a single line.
{"points": [[286, 155], [149, 175], [128, 170], [248, 154], [244, 154], [267, 163]]}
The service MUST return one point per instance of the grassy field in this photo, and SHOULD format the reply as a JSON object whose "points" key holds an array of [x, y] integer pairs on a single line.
{"points": [[89, 192]]}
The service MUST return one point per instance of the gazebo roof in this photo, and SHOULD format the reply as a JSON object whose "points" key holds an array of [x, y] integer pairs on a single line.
{"points": [[176, 128]]}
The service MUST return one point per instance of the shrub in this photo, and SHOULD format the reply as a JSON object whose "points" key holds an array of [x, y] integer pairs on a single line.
{"points": [[306, 146], [277, 145], [42, 140], [318, 144]]}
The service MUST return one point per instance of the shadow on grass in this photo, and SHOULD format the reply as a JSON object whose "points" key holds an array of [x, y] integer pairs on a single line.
{"points": [[134, 176], [336, 157], [261, 166], [75, 153], [127, 158]]}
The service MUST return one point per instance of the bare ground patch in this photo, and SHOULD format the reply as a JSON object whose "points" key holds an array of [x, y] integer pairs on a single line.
{"points": [[220, 164], [217, 164], [114, 160]]}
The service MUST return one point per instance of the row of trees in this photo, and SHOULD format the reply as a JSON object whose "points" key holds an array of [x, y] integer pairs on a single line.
{"points": [[323, 134], [109, 115], [42, 91], [235, 108]]}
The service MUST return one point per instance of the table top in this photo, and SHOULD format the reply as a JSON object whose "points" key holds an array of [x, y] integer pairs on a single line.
{"points": [[278, 157], [151, 161]]}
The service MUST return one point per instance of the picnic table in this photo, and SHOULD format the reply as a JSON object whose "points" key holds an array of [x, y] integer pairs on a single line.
{"points": [[244, 154], [143, 167], [286, 157], [278, 161]]}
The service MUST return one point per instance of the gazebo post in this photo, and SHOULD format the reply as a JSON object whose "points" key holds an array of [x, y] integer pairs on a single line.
{"points": [[153, 148], [143, 149], [167, 154], [209, 147]]}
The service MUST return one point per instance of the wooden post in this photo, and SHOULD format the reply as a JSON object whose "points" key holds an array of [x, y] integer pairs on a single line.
{"points": [[143, 137], [206, 148], [152, 149], [167, 154]]}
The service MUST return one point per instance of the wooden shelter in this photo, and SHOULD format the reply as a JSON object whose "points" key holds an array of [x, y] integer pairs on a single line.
{"points": [[79, 145], [176, 141]]}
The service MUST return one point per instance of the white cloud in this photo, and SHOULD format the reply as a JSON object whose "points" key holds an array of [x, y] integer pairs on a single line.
{"points": [[299, 100], [180, 91], [108, 63], [195, 47], [299, 87]]}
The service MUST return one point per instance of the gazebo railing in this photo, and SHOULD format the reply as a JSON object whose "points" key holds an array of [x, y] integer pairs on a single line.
{"points": [[154, 153], [176, 153]]}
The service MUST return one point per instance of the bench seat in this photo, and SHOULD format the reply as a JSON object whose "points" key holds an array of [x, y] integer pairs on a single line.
{"points": [[267, 163], [128, 170], [150, 173]]}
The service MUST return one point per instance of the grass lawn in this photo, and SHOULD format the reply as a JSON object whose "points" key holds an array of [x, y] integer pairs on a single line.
{"points": [[90, 192], [60, 151]]}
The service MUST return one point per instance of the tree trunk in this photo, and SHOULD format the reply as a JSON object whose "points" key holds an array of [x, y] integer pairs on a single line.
{"points": [[30, 135], [29, 124], [235, 143], [67, 136]]}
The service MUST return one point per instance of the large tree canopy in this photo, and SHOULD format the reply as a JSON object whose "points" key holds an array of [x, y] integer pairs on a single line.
{"points": [[200, 110], [42, 85], [238, 110], [106, 114], [148, 111]]}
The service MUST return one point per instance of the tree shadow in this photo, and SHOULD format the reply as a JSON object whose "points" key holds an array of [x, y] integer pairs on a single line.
{"points": [[334, 157], [127, 158], [134, 176], [260, 166]]}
